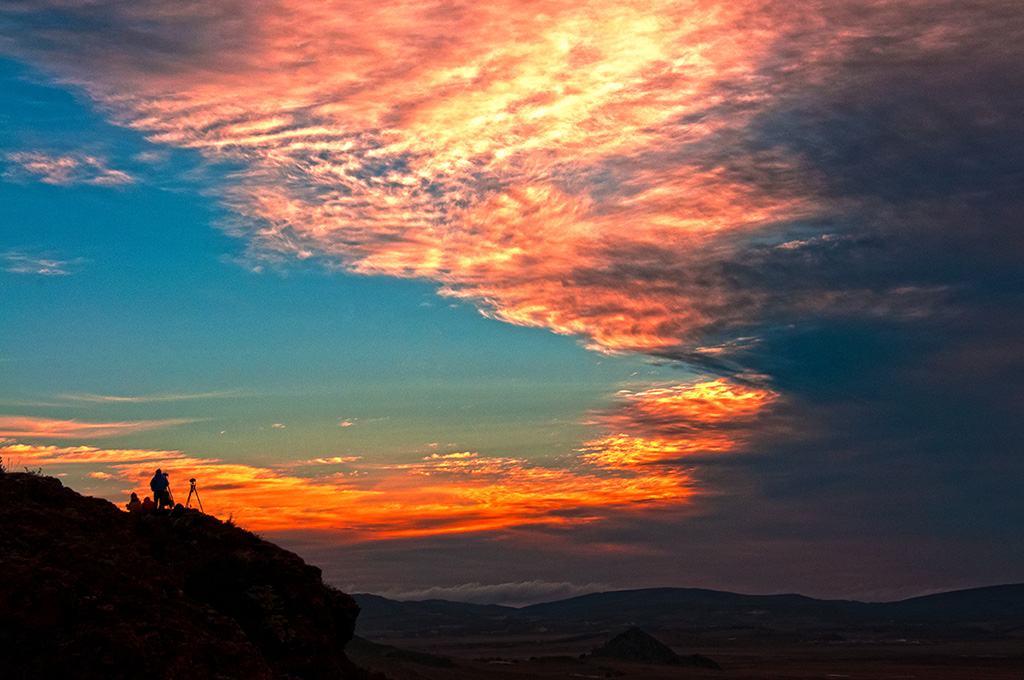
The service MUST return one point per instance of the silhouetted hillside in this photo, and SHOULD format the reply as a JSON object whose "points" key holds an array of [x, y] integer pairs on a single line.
{"points": [[986, 612], [993, 603], [88, 591], [697, 607]]}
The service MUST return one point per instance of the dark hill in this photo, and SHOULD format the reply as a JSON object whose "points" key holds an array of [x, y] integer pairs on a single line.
{"points": [[979, 613], [993, 603], [695, 607], [88, 591], [636, 646]]}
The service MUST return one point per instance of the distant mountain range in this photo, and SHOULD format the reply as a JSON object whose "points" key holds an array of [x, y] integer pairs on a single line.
{"points": [[996, 611]]}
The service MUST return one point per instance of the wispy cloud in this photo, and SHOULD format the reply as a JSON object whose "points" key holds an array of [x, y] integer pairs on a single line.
{"points": [[16, 262], [333, 460], [29, 402], [67, 455], [50, 428], [508, 594], [62, 170], [148, 398]]}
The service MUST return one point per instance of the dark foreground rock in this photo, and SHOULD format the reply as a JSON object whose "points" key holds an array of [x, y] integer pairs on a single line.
{"points": [[636, 646], [88, 591]]}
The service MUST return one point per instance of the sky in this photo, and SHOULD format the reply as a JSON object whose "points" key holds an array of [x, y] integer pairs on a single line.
{"points": [[517, 300]]}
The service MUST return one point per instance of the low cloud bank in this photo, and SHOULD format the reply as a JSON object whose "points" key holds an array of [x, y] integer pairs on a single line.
{"points": [[508, 594]]}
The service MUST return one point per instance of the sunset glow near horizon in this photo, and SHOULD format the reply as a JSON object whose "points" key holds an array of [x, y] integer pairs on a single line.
{"points": [[521, 299]]}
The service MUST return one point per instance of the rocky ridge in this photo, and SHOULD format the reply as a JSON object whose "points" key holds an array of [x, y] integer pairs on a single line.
{"points": [[89, 591]]}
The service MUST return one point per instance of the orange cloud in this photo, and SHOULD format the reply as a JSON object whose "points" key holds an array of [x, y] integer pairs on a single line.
{"points": [[459, 166], [704, 403], [49, 428], [668, 423], [437, 495], [639, 466], [620, 451], [430, 497], [547, 161], [57, 455]]}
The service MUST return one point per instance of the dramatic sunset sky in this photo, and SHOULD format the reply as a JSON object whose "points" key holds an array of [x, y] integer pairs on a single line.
{"points": [[511, 300]]}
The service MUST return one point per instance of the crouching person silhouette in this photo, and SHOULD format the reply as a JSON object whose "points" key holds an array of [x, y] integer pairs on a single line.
{"points": [[161, 490]]}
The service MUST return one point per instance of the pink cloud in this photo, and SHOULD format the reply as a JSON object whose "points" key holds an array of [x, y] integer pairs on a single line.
{"points": [[49, 428], [334, 460], [61, 455], [143, 399], [23, 263], [469, 146], [63, 170]]}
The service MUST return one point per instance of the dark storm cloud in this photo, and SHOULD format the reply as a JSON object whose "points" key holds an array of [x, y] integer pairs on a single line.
{"points": [[86, 37]]}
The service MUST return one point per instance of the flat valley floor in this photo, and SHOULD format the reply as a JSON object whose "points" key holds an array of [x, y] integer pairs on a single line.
{"points": [[523, 659]]}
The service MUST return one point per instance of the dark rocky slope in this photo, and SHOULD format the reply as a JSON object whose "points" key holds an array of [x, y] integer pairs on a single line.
{"points": [[88, 591]]}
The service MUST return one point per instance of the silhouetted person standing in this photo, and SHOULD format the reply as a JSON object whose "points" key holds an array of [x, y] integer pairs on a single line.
{"points": [[160, 487]]}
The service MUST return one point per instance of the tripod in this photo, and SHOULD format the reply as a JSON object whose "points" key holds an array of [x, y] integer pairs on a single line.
{"points": [[191, 491]]}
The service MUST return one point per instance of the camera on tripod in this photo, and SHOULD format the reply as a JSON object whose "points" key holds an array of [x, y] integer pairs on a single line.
{"points": [[193, 490]]}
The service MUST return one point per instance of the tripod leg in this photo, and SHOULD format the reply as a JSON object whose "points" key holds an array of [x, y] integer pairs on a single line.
{"points": [[200, 503]]}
